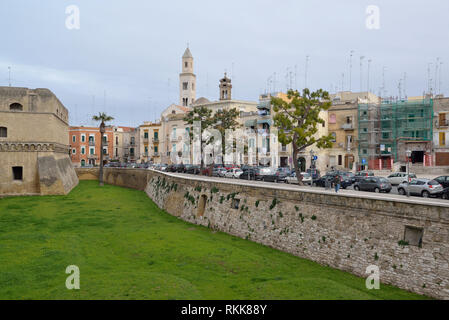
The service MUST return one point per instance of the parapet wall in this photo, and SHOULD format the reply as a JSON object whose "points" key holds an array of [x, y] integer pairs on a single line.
{"points": [[346, 232]]}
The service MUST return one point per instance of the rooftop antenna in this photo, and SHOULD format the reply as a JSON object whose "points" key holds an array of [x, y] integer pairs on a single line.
{"points": [[429, 79], [361, 72], [342, 81], [437, 64], [439, 80], [405, 85], [367, 82], [291, 79], [296, 71], [400, 89], [306, 70], [9, 77], [104, 101], [350, 69], [232, 76]]}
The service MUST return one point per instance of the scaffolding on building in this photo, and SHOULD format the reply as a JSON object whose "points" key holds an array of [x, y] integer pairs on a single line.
{"points": [[382, 128]]}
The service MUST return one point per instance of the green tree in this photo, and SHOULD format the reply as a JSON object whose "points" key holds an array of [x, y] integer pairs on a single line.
{"points": [[103, 117], [297, 120], [204, 115], [226, 120]]}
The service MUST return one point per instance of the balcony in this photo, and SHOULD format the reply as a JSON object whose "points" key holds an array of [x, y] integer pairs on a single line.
{"points": [[145, 140], [348, 126], [156, 154], [442, 123], [155, 140], [105, 143], [92, 156], [132, 143], [173, 139], [91, 143]]}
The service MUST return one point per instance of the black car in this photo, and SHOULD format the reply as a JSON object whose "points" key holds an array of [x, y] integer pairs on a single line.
{"points": [[279, 175], [250, 174], [443, 180], [192, 169], [321, 182], [180, 168], [376, 184], [171, 168], [445, 194]]}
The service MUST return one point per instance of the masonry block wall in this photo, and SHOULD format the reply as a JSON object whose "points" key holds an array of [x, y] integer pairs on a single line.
{"points": [[408, 242]]}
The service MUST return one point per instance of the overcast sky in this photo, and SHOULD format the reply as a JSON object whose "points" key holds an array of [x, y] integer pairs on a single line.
{"points": [[126, 57]]}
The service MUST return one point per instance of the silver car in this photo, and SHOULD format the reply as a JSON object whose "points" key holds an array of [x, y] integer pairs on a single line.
{"points": [[306, 178], [400, 177], [421, 187]]}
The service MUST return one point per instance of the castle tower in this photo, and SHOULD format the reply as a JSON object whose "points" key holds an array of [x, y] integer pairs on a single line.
{"points": [[225, 88], [187, 80]]}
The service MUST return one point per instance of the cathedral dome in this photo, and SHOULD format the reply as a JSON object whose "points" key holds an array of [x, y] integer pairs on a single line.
{"points": [[201, 100]]}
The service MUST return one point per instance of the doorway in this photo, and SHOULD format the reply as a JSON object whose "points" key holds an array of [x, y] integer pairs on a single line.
{"points": [[417, 156]]}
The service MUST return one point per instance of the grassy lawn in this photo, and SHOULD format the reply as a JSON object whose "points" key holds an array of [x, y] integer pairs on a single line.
{"points": [[127, 248]]}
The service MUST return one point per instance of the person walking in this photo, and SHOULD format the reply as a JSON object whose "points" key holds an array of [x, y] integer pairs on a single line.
{"points": [[337, 181]]}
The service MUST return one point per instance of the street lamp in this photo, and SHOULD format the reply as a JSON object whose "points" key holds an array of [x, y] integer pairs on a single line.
{"points": [[102, 131], [312, 166], [409, 154]]}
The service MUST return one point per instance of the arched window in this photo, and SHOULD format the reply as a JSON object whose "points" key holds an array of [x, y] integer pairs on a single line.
{"points": [[3, 132], [16, 107]]}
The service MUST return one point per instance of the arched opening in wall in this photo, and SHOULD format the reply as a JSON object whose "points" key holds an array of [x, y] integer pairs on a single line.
{"points": [[15, 107], [202, 205]]}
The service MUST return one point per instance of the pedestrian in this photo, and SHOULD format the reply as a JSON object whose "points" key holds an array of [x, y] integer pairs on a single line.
{"points": [[337, 181]]}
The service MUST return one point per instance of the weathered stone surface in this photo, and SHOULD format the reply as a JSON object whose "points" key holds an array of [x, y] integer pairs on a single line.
{"points": [[345, 232]]}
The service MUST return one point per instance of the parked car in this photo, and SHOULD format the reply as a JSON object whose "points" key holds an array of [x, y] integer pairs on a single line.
{"points": [[443, 180], [421, 187], [363, 174], [314, 173], [376, 184], [277, 175], [347, 175], [445, 193], [321, 182], [263, 171], [192, 169], [306, 178], [400, 177], [233, 173], [250, 174]]}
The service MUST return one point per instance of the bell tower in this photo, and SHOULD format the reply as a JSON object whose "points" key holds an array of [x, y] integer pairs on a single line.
{"points": [[187, 80], [225, 88]]}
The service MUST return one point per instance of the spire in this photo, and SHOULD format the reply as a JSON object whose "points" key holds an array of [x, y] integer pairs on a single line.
{"points": [[187, 53]]}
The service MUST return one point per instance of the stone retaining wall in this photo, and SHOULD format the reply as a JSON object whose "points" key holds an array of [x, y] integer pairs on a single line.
{"points": [[346, 232]]}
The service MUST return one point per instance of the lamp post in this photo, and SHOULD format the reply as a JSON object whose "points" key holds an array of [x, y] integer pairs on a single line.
{"points": [[102, 131], [409, 154], [312, 165]]}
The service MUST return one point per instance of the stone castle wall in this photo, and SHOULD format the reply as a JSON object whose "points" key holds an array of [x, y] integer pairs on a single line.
{"points": [[346, 232]]}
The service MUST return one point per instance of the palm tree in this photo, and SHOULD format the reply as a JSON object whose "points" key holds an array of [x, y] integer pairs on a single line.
{"points": [[103, 117]]}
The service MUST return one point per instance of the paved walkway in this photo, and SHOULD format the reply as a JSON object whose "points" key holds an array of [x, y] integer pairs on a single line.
{"points": [[346, 193]]}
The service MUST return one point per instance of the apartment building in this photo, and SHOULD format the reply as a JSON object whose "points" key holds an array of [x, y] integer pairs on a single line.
{"points": [[126, 144], [85, 145], [441, 131], [150, 142]]}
